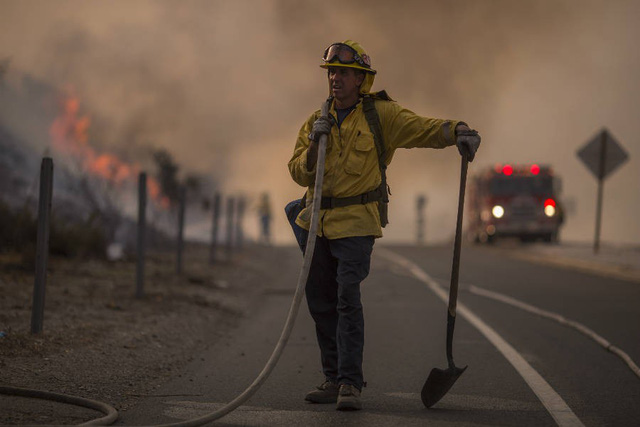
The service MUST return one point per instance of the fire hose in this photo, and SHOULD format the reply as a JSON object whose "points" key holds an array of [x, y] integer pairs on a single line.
{"points": [[112, 414]]}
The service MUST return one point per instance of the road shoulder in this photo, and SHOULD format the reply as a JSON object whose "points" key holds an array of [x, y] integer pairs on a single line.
{"points": [[619, 262]]}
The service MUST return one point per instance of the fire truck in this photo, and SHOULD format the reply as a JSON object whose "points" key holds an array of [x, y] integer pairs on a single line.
{"points": [[515, 201]]}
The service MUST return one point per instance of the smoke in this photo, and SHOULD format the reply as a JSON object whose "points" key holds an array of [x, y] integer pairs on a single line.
{"points": [[224, 86]]}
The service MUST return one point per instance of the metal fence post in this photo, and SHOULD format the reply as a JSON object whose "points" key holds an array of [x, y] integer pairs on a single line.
{"points": [[142, 224], [230, 210], [214, 228], [180, 244], [239, 222], [42, 248], [421, 202]]}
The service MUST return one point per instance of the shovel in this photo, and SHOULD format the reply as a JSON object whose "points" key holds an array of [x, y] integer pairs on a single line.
{"points": [[441, 380]]}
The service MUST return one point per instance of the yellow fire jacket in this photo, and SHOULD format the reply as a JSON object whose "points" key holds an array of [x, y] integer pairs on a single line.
{"points": [[351, 163]]}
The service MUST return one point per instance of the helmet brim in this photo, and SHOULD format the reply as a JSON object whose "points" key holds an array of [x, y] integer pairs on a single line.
{"points": [[354, 66]]}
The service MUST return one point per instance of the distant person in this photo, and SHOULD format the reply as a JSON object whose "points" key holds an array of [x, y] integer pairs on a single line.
{"points": [[364, 129], [264, 214]]}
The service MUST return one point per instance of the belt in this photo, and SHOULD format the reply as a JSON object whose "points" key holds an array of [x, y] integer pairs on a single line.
{"points": [[340, 202]]}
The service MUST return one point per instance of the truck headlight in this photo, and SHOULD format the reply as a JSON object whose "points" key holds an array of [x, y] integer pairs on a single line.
{"points": [[497, 211], [549, 210]]}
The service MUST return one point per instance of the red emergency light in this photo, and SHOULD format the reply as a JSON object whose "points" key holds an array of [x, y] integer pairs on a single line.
{"points": [[507, 170], [535, 169]]}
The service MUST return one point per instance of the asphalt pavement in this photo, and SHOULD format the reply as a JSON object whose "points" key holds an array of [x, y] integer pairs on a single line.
{"points": [[524, 369]]}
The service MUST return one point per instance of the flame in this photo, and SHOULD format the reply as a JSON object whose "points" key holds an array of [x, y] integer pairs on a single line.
{"points": [[111, 168], [154, 191], [69, 134]]}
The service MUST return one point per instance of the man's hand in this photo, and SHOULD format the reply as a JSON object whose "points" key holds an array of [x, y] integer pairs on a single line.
{"points": [[322, 126], [467, 140]]}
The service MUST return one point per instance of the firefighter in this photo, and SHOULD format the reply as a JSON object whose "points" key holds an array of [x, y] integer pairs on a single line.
{"points": [[360, 146]]}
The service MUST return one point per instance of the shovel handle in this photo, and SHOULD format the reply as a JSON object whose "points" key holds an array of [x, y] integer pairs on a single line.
{"points": [[455, 269]]}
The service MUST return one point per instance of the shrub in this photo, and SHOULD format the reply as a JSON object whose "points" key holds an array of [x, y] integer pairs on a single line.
{"points": [[80, 238]]}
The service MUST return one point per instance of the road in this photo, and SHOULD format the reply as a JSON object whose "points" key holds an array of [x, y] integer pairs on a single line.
{"points": [[559, 376]]}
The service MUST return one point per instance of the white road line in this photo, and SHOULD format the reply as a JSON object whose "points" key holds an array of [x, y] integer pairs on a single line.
{"points": [[560, 319], [555, 405]]}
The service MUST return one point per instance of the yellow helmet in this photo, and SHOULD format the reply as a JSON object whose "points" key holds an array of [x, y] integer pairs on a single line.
{"points": [[347, 54]]}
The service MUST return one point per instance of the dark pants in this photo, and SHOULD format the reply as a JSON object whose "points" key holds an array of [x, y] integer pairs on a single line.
{"points": [[333, 297]]}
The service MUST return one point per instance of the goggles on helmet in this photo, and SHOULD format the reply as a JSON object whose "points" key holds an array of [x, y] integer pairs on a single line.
{"points": [[345, 54]]}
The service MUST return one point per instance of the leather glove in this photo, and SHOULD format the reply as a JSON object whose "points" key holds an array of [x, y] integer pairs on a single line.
{"points": [[468, 142], [322, 126]]}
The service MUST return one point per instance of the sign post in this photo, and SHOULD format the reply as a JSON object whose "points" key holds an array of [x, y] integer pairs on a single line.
{"points": [[601, 155]]}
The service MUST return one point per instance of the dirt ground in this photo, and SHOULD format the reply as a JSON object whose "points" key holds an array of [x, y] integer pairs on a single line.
{"points": [[100, 342]]}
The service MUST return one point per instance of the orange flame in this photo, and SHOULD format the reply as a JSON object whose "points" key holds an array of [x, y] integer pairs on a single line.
{"points": [[69, 132], [111, 168], [70, 135], [154, 192]]}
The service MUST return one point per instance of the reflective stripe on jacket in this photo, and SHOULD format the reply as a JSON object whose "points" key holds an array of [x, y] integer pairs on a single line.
{"points": [[351, 163]]}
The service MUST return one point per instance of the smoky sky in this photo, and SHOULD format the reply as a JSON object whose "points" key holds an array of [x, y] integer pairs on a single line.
{"points": [[225, 86]]}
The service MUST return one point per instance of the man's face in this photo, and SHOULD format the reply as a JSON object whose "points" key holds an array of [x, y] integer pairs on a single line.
{"points": [[345, 83]]}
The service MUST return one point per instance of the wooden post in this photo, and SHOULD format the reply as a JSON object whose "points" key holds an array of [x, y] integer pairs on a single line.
{"points": [[181, 208], [142, 224], [42, 248], [214, 228], [230, 211]]}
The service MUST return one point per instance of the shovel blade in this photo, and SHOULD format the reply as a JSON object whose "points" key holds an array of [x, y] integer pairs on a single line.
{"points": [[438, 384]]}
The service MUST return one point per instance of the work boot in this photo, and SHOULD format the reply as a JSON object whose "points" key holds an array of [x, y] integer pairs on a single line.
{"points": [[327, 392], [349, 398]]}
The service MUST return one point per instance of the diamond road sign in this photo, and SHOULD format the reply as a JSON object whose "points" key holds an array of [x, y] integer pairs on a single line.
{"points": [[602, 155]]}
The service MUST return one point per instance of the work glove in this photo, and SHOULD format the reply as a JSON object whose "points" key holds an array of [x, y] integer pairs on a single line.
{"points": [[468, 142], [322, 126]]}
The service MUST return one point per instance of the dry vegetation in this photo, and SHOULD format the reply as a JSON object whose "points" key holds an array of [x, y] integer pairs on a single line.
{"points": [[100, 342]]}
